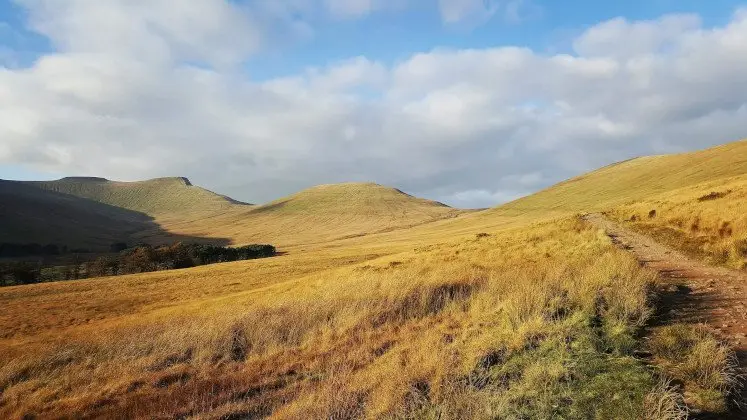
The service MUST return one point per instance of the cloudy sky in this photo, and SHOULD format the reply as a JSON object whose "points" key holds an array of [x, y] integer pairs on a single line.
{"points": [[471, 102]]}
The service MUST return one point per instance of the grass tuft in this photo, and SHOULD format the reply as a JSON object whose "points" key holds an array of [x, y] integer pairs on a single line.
{"points": [[707, 368]]}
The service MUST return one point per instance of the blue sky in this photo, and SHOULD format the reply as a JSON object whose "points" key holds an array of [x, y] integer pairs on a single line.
{"points": [[471, 102], [547, 26]]}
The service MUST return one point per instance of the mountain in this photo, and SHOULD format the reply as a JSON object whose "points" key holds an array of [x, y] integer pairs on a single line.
{"points": [[156, 197], [319, 214], [95, 212], [29, 214]]}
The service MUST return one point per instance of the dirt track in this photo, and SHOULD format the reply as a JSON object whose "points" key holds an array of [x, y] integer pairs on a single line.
{"points": [[716, 297]]}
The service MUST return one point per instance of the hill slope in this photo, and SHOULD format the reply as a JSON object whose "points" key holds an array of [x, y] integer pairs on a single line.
{"points": [[156, 197], [636, 179], [622, 187], [320, 214], [28, 214]]}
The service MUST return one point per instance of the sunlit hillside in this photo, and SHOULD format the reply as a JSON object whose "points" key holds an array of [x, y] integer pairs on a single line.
{"points": [[317, 215], [636, 179], [706, 220]]}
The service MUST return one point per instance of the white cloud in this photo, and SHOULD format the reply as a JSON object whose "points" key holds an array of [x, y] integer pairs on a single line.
{"points": [[471, 127], [475, 12], [350, 8], [219, 32], [453, 11]]}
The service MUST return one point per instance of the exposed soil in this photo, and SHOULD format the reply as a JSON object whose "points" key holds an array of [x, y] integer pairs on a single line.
{"points": [[701, 294]]}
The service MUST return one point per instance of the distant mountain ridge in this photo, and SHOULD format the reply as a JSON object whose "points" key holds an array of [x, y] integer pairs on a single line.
{"points": [[155, 197], [161, 209]]}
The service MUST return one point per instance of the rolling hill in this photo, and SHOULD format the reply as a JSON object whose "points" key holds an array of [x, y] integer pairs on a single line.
{"points": [[93, 213], [319, 214], [170, 209]]}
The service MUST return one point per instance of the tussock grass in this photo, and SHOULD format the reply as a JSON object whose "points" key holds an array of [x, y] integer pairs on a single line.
{"points": [[707, 368], [665, 403], [530, 323], [712, 229]]}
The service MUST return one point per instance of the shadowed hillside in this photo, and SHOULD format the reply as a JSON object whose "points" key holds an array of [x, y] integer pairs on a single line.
{"points": [[29, 214]]}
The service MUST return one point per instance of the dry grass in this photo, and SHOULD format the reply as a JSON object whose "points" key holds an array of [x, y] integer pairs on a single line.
{"points": [[665, 403], [531, 322], [705, 220], [707, 368]]}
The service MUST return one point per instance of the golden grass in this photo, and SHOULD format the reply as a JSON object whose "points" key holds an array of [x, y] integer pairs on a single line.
{"points": [[481, 327], [705, 220], [707, 368]]}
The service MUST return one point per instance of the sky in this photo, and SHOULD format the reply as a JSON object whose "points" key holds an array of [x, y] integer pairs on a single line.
{"points": [[470, 102]]}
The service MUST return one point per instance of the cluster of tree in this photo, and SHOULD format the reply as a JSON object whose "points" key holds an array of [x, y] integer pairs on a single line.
{"points": [[139, 259], [12, 273], [145, 258], [11, 250]]}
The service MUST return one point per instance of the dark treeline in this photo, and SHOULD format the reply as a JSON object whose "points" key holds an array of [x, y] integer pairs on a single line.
{"points": [[139, 259]]}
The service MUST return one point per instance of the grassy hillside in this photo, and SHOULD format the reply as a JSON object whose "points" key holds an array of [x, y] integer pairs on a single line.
{"points": [[636, 179], [28, 214], [319, 214], [156, 197], [705, 220]]}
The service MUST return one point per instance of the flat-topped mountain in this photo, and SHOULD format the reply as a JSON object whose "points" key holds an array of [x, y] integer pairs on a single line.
{"points": [[155, 197], [32, 215]]}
